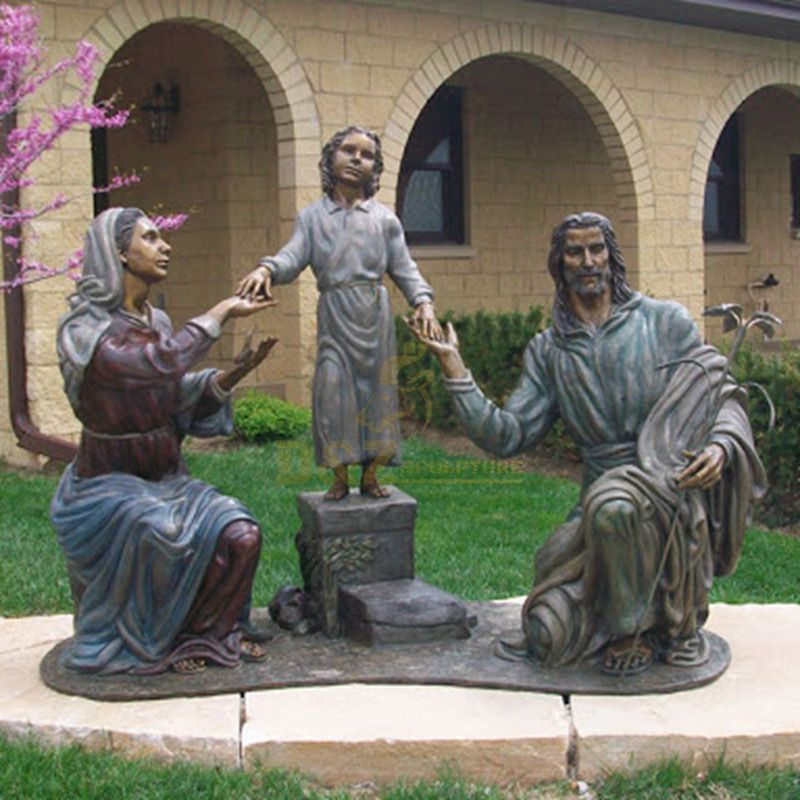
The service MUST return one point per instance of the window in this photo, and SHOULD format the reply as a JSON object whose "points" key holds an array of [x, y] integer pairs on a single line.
{"points": [[721, 210], [794, 166], [430, 188]]}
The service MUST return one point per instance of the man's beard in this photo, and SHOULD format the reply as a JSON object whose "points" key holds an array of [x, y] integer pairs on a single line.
{"points": [[574, 281]]}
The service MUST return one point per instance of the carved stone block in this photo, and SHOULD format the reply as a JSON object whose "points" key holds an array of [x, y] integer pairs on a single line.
{"points": [[353, 541], [402, 611]]}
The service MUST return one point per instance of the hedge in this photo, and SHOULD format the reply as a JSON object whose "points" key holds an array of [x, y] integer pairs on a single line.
{"points": [[492, 345], [779, 375]]}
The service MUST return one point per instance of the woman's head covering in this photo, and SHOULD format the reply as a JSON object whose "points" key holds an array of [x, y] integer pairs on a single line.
{"points": [[100, 291]]}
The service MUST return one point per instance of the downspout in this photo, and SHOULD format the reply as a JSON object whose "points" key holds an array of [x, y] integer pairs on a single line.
{"points": [[29, 437]]}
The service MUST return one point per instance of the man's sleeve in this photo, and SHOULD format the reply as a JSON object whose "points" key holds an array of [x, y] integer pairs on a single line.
{"points": [[525, 418]]}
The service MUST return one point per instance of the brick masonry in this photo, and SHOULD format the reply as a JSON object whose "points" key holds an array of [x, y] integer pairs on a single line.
{"points": [[564, 109]]}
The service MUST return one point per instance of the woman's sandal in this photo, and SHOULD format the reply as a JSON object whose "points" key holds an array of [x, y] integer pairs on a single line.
{"points": [[251, 651], [188, 666]]}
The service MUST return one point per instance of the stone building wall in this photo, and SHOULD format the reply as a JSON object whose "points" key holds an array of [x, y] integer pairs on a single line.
{"points": [[614, 112], [220, 164]]}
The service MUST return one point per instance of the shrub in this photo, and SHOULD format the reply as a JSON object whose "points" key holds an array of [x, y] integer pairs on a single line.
{"points": [[261, 417], [779, 448], [492, 345]]}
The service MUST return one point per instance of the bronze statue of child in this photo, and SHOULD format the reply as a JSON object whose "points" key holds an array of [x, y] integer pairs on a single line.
{"points": [[351, 241]]}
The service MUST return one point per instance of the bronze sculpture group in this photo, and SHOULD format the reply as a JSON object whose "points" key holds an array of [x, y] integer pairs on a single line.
{"points": [[162, 565]]}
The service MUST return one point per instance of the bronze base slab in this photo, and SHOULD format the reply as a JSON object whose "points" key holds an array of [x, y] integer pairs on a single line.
{"points": [[318, 661]]}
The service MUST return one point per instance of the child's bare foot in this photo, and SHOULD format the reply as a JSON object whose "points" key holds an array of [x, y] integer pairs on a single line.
{"points": [[369, 482], [340, 487], [374, 490]]}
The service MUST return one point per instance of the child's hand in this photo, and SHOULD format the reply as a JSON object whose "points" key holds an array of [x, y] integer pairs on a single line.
{"points": [[426, 323], [256, 285]]}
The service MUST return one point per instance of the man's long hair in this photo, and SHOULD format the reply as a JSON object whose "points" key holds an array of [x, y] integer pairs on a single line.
{"points": [[327, 177], [621, 292]]}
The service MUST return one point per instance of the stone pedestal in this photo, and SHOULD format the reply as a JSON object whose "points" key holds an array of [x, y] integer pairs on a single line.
{"points": [[357, 561]]}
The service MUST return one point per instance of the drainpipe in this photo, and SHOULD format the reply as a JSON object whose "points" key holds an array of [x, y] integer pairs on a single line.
{"points": [[28, 435]]}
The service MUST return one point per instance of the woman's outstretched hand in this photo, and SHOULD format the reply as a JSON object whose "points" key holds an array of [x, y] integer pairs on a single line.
{"points": [[236, 306], [445, 348], [247, 360]]}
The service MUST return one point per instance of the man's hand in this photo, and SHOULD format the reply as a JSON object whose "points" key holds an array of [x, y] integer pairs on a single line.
{"points": [[445, 348], [425, 321], [247, 360], [704, 470], [256, 285]]}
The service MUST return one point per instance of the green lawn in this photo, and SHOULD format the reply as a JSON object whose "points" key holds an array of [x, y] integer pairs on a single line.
{"points": [[31, 772], [479, 524]]}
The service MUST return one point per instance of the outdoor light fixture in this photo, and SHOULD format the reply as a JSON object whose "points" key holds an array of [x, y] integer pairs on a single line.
{"points": [[159, 112], [765, 282]]}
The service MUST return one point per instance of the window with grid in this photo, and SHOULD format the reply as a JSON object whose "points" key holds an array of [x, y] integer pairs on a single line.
{"points": [[430, 187]]}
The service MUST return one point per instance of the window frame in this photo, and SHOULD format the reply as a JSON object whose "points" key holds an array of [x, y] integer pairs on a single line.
{"points": [[441, 118], [794, 186], [99, 145], [727, 153]]}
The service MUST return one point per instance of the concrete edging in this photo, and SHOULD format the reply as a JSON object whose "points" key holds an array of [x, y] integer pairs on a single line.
{"points": [[344, 735]]}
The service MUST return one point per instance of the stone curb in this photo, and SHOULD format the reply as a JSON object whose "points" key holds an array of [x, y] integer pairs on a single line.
{"points": [[346, 735]]}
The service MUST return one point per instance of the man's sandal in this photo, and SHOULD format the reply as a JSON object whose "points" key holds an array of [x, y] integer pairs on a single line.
{"points": [[626, 657]]}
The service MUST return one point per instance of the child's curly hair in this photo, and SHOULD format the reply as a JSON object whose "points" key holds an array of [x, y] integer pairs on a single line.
{"points": [[326, 160]]}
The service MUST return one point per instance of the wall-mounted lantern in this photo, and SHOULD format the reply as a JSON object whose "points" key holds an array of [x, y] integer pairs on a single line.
{"points": [[159, 112]]}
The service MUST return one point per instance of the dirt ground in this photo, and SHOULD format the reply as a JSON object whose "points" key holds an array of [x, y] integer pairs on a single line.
{"points": [[540, 460]]}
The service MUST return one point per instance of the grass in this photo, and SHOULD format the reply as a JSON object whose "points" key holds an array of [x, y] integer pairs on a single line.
{"points": [[673, 780], [479, 524], [29, 770]]}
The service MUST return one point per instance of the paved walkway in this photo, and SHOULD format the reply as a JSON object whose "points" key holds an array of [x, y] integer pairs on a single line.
{"points": [[349, 734]]}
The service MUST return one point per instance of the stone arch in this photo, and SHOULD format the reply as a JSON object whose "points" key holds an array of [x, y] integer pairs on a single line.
{"points": [[563, 60], [769, 73], [268, 53], [298, 131]]}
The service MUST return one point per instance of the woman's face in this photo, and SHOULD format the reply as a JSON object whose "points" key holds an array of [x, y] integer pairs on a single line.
{"points": [[147, 256]]}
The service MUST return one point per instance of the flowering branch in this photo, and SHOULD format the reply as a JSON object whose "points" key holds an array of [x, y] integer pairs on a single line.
{"points": [[23, 72]]}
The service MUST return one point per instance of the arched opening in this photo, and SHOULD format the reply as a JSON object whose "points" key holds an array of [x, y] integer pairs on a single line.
{"points": [[532, 154], [219, 164], [763, 205]]}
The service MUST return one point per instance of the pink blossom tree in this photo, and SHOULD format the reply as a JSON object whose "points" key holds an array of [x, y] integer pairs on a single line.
{"points": [[25, 71]]}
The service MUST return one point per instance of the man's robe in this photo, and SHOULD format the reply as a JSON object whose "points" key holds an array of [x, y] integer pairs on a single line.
{"points": [[635, 394]]}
